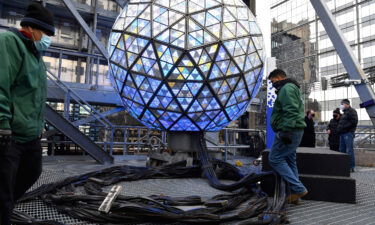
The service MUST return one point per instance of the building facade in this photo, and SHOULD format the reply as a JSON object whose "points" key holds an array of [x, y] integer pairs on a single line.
{"points": [[303, 49]]}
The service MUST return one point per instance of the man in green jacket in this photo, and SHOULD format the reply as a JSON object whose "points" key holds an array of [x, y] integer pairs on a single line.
{"points": [[22, 100], [288, 122]]}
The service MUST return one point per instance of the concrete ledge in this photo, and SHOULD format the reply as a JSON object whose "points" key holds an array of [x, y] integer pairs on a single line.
{"points": [[317, 161], [365, 157], [322, 188]]}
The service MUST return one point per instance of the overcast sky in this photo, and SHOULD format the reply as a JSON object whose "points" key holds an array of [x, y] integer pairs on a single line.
{"points": [[264, 21]]}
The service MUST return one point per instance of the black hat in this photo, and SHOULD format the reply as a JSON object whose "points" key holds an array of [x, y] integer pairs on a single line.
{"points": [[345, 101], [39, 17], [277, 72], [337, 111]]}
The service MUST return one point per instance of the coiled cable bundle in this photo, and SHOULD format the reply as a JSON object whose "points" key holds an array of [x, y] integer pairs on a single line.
{"points": [[275, 214], [246, 204]]}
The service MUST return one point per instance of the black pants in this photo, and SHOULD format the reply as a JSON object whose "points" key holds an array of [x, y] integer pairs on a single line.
{"points": [[20, 167], [334, 147]]}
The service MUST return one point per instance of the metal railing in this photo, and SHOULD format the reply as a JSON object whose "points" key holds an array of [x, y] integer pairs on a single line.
{"points": [[138, 139], [362, 140], [364, 137], [127, 140], [132, 140], [72, 96]]}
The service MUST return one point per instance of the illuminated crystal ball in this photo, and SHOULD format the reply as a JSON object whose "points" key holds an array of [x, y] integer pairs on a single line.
{"points": [[186, 65]]}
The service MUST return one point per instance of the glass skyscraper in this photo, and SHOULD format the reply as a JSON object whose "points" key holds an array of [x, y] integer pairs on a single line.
{"points": [[303, 49]]}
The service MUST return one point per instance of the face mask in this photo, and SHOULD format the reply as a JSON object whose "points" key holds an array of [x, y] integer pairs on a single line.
{"points": [[342, 107], [43, 44], [276, 84]]}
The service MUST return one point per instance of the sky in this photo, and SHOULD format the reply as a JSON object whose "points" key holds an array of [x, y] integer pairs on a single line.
{"points": [[264, 20]]}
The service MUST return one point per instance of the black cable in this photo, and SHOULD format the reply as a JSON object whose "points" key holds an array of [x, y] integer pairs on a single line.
{"points": [[210, 174], [275, 214]]}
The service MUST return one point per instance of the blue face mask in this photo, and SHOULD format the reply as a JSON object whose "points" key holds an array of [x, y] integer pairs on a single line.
{"points": [[43, 44]]}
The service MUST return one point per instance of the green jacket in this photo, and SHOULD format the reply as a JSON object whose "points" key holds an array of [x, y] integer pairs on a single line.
{"points": [[288, 110], [22, 86]]}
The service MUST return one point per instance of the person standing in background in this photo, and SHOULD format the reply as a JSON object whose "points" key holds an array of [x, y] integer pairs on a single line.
{"points": [[333, 134], [346, 128], [308, 138]]}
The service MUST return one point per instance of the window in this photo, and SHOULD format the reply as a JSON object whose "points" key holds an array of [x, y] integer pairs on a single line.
{"points": [[66, 31]]}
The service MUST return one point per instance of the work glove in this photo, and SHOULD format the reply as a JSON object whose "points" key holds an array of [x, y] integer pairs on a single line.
{"points": [[286, 137], [5, 138]]}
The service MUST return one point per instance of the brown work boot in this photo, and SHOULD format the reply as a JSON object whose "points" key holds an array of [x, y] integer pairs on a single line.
{"points": [[294, 198]]}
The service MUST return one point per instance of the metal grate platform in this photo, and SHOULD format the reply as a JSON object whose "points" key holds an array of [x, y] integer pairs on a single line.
{"points": [[38, 209], [308, 212]]}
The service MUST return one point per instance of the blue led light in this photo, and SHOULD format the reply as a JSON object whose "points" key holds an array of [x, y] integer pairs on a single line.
{"points": [[186, 65]]}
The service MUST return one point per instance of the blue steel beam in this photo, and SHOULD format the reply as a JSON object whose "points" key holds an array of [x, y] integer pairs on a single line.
{"points": [[92, 118], [86, 28], [74, 134], [103, 95], [351, 64]]}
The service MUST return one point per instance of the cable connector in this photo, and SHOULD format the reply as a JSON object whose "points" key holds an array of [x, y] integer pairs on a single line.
{"points": [[108, 201]]}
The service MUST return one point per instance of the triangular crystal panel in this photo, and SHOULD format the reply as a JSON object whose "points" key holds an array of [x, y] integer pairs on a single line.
{"points": [[213, 105], [205, 93], [200, 18], [196, 107], [138, 66], [184, 102], [212, 3], [216, 85], [178, 5], [150, 85], [205, 68], [195, 5], [215, 29], [146, 96], [173, 106], [228, 17], [196, 54], [216, 72], [222, 55]]}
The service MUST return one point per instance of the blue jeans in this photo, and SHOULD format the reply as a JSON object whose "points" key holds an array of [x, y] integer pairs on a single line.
{"points": [[282, 158], [346, 146]]}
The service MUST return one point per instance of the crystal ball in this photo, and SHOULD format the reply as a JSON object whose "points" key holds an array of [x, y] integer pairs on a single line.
{"points": [[186, 65]]}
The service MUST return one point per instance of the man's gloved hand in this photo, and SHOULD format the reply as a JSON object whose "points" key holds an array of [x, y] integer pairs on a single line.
{"points": [[286, 137], [5, 138]]}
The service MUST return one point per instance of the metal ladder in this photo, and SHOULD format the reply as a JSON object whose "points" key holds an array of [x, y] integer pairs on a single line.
{"points": [[70, 129]]}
